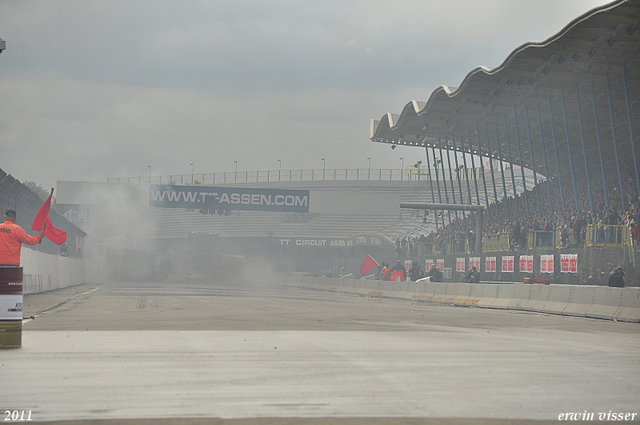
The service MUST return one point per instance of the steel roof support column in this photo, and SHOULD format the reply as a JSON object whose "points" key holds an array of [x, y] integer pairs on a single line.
{"points": [[478, 210], [473, 167], [444, 180], [513, 177], [595, 117], [435, 165], [458, 174], [533, 163], [466, 172], [544, 159], [426, 149], [524, 181], [484, 180], [615, 142], [504, 184], [453, 189], [633, 144], [479, 231], [584, 149], [566, 131], [555, 149], [464, 217], [493, 177]]}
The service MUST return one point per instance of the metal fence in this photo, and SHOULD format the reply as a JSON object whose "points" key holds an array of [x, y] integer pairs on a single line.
{"points": [[265, 176]]}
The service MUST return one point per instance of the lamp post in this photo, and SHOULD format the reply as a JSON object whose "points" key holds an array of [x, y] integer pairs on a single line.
{"points": [[369, 171], [279, 168], [324, 167], [235, 179], [149, 167], [192, 171], [401, 167]]}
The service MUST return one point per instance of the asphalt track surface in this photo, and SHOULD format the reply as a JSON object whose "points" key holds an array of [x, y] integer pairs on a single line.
{"points": [[263, 353]]}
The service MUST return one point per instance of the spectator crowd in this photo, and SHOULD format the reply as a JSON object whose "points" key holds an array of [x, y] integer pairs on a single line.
{"points": [[534, 212]]}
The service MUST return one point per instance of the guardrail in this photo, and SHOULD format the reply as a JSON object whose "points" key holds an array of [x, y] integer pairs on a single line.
{"points": [[411, 173], [540, 239], [607, 235], [496, 243]]}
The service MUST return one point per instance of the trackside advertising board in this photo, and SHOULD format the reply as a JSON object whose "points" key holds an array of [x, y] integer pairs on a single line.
{"points": [[228, 198]]}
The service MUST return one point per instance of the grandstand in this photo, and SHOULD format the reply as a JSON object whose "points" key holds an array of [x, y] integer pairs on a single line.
{"points": [[565, 108]]}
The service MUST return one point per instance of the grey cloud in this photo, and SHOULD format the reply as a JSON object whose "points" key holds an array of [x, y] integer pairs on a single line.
{"points": [[92, 89]]}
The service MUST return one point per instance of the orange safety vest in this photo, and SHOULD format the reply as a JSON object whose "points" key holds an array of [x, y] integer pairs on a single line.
{"points": [[12, 237], [397, 274]]}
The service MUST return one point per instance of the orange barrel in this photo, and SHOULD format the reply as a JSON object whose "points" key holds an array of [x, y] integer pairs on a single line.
{"points": [[11, 296]]}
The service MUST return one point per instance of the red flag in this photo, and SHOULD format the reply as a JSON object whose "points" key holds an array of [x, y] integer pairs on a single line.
{"points": [[367, 265], [42, 219]]}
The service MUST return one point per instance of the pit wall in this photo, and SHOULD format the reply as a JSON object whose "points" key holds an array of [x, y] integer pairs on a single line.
{"points": [[601, 302], [46, 272]]}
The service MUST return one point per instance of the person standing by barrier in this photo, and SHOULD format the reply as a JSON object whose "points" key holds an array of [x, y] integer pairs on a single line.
{"points": [[617, 278], [415, 273], [398, 272], [435, 274], [386, 273], [12, 237], [473, 276]]}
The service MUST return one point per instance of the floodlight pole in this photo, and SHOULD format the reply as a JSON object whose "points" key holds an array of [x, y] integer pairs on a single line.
{"points": [[478, 209]]}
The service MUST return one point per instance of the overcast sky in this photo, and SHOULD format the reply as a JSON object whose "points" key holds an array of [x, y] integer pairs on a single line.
{"points": [[91, 89]]}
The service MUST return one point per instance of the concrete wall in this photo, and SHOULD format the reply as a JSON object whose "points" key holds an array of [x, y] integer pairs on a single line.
{"points": [[45, 272], [622, 304]]}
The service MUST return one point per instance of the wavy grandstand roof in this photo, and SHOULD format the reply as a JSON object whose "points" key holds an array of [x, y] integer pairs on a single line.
{"points": [[593, 62]]}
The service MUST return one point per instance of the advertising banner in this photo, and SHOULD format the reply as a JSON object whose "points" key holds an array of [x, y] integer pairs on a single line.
{"points": [[440, 264], [546, 264], [408, 264], [526, 264], [427, 265], [460, 263], [490, 264], [568, 263], [474, 262], [507, 263], [228, 198]]}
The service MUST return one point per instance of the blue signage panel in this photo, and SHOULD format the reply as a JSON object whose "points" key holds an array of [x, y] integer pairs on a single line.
{"points": [[228, 198]]}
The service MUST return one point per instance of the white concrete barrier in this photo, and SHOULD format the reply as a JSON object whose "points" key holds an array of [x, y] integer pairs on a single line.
{"points": [[503, 296], [582, 298], [475, 293], [539, 298], [586, 301], [629, 306], [489, 294], [559, 298], [607, 302], [520, 296], [46, 272]]}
